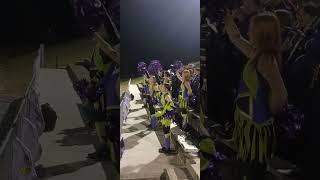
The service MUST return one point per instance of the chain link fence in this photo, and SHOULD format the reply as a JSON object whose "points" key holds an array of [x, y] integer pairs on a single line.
{"points": [[21, 149]]}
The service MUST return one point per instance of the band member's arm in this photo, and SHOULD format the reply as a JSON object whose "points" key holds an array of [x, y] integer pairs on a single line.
{"points": [[179, 75], [156, 88], [107, 48], [204, 131], [235, 36], [168, 98], [268, 67], [189, 89]]}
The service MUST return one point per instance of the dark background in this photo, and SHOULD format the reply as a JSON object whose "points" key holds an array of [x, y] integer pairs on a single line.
{"points": [[165, 30], [24, 24], [29, 21]]}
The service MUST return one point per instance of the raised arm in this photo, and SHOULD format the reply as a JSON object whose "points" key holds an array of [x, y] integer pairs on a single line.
{"points": [[189, 89], [168, 98], [108, 49], [235, 35], [178, 75], [268, 67]]}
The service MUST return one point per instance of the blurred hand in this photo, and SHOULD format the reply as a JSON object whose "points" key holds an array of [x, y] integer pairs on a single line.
{"points": [[113, 53], [230, 26], [107, 48]]}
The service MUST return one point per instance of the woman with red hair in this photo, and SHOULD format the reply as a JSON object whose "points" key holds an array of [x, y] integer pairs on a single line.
{"points": [[262, 92]]}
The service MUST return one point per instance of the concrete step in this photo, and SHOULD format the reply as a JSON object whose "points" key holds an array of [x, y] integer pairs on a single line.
{"points": [[171, 174], [134, 177], [77, 72], [141, 158], [187, 153], [194, 168], [177, 174], [64, 150]]}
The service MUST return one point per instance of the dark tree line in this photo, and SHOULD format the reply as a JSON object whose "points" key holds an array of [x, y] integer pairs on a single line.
{"points": [[30, 21]]}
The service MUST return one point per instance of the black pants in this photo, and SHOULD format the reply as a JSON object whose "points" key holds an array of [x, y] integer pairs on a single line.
{"points": [[113, 131], [113, 119], [166, 130], [152, 110]]}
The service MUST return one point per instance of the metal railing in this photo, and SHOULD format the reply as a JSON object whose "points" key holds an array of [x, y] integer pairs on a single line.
{"points": [[21, 148]]}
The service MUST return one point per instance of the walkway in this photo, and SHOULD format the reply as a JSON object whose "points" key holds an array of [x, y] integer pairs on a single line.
{"points": [[65, 149], [141, 159]]}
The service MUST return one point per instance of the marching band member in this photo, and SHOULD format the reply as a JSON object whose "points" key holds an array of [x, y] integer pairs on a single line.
{"points": [[151, 99], [166, 115], [185, 93], [108, 101]]}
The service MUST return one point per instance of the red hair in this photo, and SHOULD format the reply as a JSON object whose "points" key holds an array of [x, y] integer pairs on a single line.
{"points": [[265, 34]]}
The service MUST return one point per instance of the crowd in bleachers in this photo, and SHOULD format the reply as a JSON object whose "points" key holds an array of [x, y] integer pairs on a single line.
{"points": [[287, 31]]}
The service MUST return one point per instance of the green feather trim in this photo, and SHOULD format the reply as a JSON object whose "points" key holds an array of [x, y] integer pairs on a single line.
{"points": [[245, 136]]}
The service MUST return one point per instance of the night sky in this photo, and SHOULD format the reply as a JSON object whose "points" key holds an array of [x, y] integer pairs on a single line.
{"points": [[165, 30]]}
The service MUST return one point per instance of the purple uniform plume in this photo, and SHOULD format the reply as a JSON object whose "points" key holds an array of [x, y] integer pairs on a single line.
{"points": [[177, 65], [154, 67], [141, 68]]}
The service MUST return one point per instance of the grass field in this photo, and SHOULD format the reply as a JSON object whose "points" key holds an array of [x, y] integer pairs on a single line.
{"points": [[124, 83], [68, 52], [16, 71]]}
